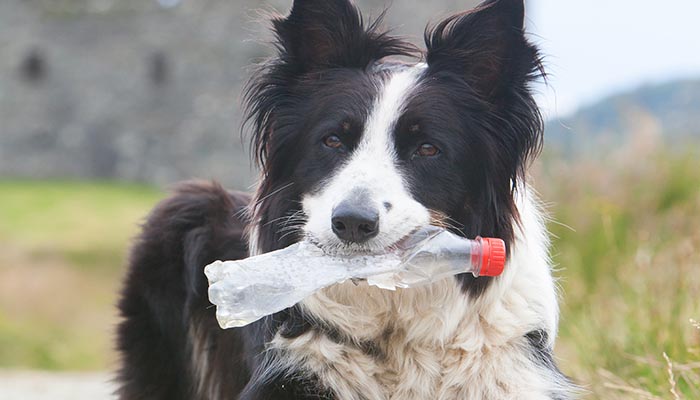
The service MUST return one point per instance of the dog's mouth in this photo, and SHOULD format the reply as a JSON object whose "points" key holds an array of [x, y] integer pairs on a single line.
{"points": [[339, 248], [376, 247]]}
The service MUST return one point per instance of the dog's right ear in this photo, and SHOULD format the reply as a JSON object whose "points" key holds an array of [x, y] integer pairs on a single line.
{"points": [[330, 33], [316, 35]]}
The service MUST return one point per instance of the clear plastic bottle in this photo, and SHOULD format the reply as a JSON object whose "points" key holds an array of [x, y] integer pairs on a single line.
{"points": [[247, 290]]}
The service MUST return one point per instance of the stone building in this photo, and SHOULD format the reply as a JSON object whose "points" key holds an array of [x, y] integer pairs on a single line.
{"points": [[140, 90]]}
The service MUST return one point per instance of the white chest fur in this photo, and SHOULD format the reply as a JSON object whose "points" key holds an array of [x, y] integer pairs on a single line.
{"points": [[435, 342]]}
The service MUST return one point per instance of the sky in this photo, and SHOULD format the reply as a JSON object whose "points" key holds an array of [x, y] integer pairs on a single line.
{"points": [[595, 48]]}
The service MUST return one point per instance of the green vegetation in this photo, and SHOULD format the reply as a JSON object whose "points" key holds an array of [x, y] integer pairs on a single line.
{"points": [[626, 234], [64, 245], [626, 237]]}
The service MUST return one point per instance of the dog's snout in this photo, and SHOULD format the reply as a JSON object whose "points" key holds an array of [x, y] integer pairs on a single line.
{"points": [[355, 223]]}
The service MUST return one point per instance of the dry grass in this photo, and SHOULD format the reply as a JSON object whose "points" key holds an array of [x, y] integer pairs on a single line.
{"points": [[629, 269]]}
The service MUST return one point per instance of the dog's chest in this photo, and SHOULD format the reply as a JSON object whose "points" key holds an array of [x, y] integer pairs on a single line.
{"points": [[418, 344], [410, 369], [398, 369]]}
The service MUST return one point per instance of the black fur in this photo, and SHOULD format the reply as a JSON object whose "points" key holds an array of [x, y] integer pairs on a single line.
{"points": [[165, 295], [481, 64], [543, 354], [473, 101]]}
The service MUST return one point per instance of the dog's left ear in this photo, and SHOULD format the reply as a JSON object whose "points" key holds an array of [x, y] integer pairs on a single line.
{"points": [[487, 46]]}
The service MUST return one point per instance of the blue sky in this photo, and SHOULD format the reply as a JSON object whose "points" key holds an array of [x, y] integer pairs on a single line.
{"points": [[595, 48]]}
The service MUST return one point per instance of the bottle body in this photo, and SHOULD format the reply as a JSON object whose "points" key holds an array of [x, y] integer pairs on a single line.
{"points": [[249, 289], [433, 254]]}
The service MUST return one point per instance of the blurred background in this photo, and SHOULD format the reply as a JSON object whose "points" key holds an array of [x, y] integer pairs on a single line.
{"points": [[106, 103]]}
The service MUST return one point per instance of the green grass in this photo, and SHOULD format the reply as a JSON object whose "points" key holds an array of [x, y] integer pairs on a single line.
{"points": [[626, 239], [47, 212], [64, 249]]}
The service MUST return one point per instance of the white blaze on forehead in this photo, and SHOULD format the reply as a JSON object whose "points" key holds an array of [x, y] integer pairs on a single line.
{"points": [[372, 166], [386, 111], [372, 169]]}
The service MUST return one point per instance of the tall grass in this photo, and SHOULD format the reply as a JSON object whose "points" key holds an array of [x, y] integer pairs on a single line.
{"points": [[626, 240]]}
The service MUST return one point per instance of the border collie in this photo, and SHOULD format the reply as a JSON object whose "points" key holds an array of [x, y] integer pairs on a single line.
{"points": [[359, 144]]}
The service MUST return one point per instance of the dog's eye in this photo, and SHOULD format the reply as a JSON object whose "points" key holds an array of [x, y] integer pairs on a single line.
{"points": [[426, 150], [333, 141]]}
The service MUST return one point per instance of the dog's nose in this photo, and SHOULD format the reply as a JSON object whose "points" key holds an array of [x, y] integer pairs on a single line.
{"points": [[355, 223]]}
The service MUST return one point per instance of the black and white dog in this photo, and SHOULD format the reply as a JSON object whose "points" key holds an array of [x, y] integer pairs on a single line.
{"points": [[359, 147]]}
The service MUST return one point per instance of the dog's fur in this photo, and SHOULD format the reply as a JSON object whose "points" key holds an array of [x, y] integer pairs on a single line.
{"points": [[334, 77]]}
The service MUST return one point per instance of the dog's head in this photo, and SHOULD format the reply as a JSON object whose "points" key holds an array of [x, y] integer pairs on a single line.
{"points": [[358, 148]]}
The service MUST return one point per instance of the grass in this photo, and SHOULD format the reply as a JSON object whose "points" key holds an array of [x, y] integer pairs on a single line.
{"points": [[625, 243], [626, 238], [64, 248]]}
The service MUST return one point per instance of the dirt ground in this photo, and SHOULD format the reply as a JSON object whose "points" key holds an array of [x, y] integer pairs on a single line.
{"points": [[32, 385]]}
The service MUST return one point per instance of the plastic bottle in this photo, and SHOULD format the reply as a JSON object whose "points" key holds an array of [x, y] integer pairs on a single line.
{"points": [[247, 290]]}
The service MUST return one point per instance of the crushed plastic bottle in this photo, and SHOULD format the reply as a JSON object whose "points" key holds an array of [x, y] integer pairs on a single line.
{"points": [[247, 290]]}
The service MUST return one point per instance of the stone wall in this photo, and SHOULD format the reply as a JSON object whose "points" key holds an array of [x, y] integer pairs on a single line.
{"points": [[140, 90]]}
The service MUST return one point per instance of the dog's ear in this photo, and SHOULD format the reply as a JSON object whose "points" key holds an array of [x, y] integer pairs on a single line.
{"points": [[331, 33], [487, 46], [317, 34], [487, 49]]}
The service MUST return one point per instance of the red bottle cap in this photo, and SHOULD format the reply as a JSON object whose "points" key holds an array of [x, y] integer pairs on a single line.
{"points": [[493, 256]]}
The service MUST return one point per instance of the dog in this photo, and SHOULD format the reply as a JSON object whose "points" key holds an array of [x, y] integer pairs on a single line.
{"points": [[362, 139]]}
